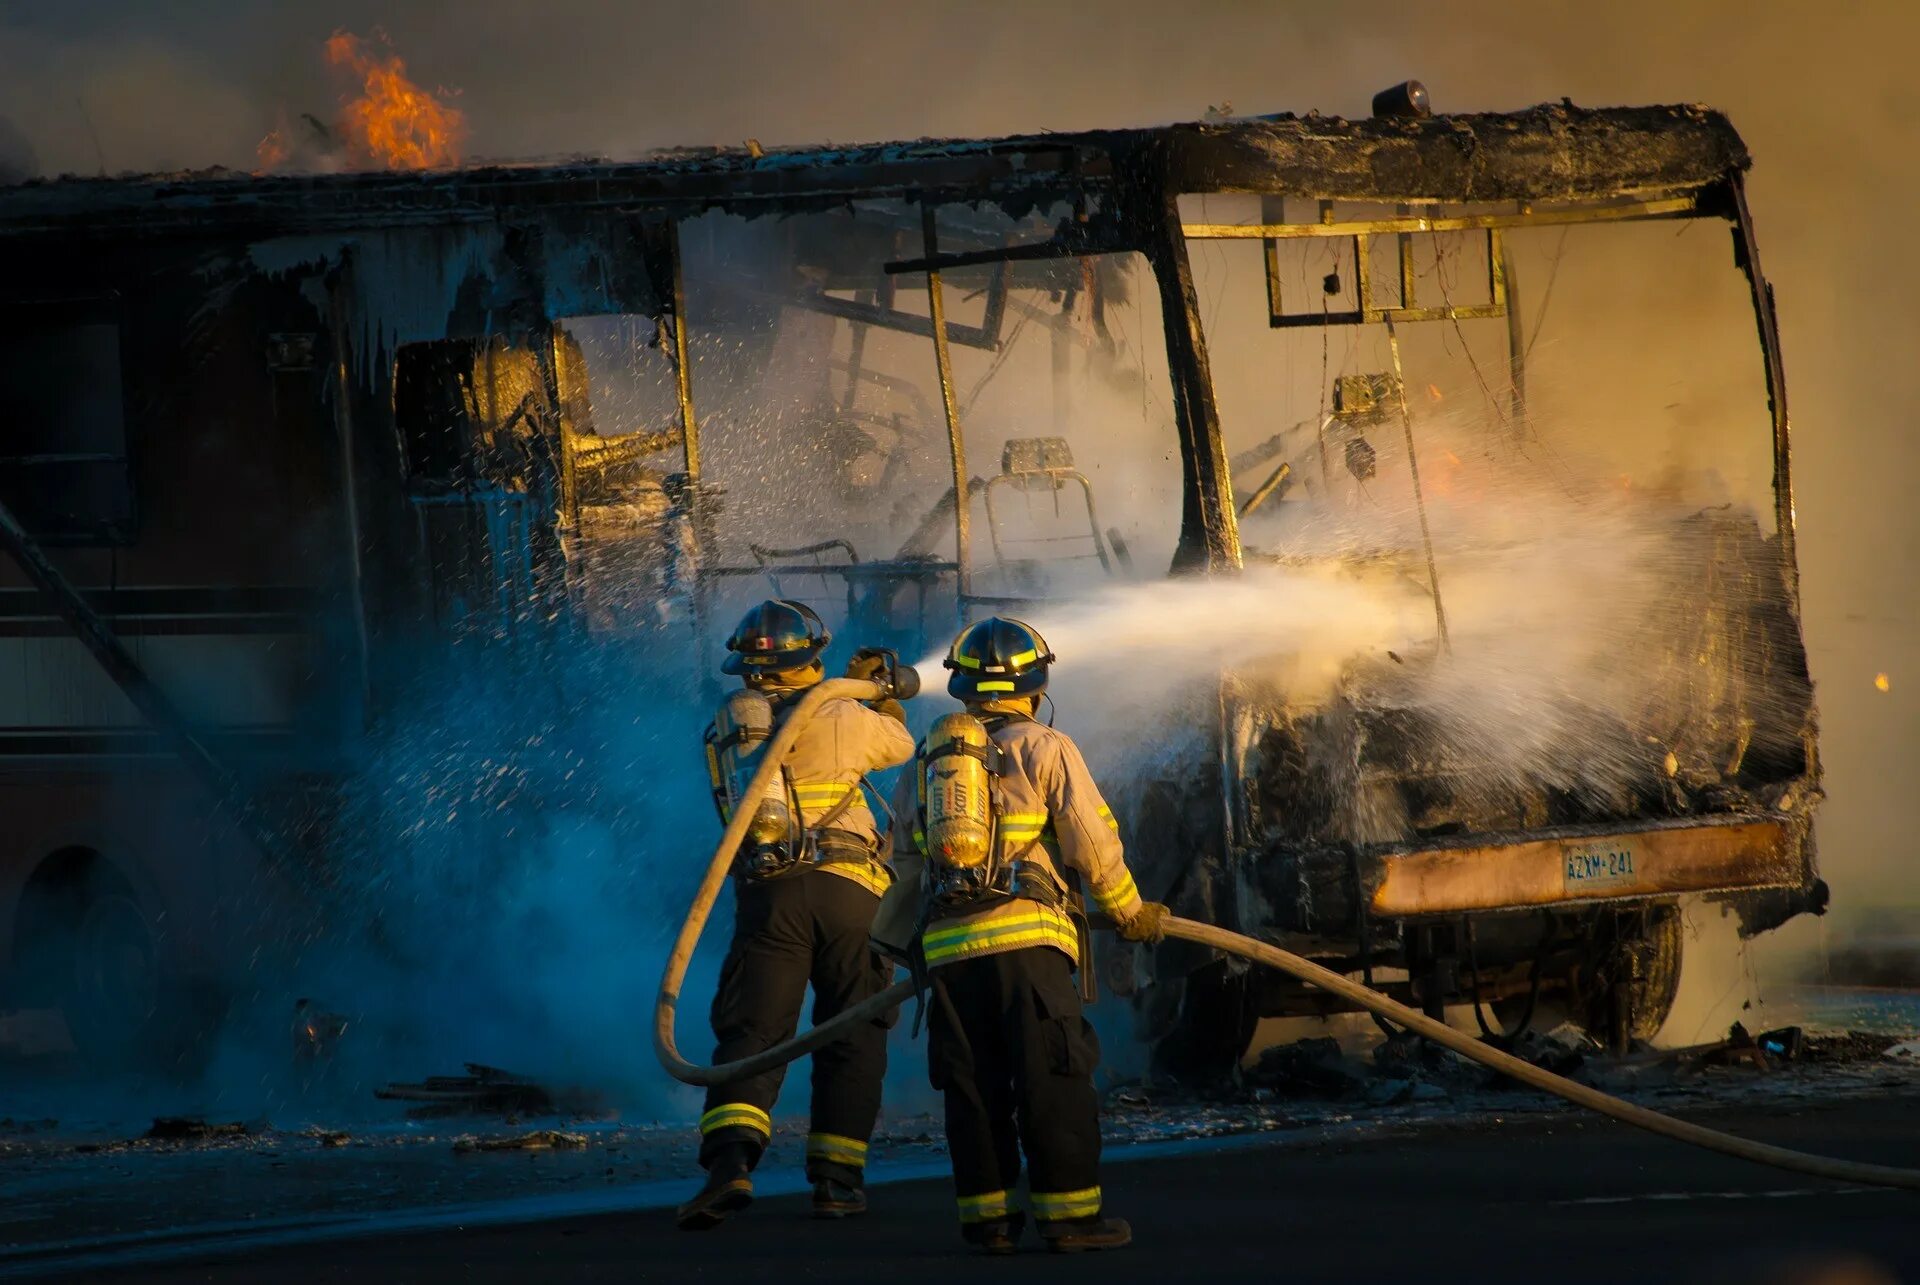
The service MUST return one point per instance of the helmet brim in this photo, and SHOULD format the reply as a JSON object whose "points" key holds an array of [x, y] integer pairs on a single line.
{"points": [[739, 662], [965, 684]]}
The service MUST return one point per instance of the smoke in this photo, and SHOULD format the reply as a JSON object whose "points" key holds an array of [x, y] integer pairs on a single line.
{"points": [[17, 161], [476, 957]]}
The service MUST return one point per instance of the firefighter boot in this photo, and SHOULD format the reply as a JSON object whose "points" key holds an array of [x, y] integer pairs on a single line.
{"points": [[1001, 1236], [835, 1199], [729, 1189], [1078, 1235]]}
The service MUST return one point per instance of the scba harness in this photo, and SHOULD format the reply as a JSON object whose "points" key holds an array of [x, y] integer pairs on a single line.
{"points": [[964, 832], [976, 850], [778, 842]]}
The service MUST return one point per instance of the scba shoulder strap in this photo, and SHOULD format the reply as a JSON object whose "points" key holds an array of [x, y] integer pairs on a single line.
{"points": [[990, 755]]}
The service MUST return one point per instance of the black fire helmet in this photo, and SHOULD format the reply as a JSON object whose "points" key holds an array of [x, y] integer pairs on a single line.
{"points": [[998, 657], [776, 636]]}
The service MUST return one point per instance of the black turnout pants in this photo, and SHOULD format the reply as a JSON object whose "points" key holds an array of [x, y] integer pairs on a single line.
{"points": [[1011, 1050], [810, 926]]}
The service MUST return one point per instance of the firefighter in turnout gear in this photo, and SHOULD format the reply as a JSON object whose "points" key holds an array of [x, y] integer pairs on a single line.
{"points": [[997, 821], [806, 887]]}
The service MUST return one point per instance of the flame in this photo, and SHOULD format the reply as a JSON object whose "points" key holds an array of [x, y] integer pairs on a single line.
{"points": [[273, 150], [394, 123], [1882, 682]]}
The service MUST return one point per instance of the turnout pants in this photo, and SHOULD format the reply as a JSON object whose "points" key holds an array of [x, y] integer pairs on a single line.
{"points": [[1009, 1047], [807, 927]]}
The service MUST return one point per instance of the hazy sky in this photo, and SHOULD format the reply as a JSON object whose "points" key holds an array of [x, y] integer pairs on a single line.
{"points": [[1823, 94]]}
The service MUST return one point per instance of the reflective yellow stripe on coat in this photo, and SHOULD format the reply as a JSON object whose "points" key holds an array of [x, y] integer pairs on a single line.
{"points": [[871, 875], [818, 799], [1011, 925]]}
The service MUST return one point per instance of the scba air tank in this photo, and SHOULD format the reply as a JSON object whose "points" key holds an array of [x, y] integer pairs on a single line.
{"points": [[959, 803], [734, 751]]}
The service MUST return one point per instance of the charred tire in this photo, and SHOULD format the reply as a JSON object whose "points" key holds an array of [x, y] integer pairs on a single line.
{"points": [[1627, 987], [88, 948], [1213, 1030]]}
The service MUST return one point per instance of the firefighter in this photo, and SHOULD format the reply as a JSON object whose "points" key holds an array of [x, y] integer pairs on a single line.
{"points": [[985, 903], [805, 891]]}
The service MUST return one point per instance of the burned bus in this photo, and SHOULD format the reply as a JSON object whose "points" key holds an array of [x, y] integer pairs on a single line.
{"points": [[283, 453]]}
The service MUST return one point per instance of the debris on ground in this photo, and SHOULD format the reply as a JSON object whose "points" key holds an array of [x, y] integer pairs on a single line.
{"points": [[487, 1090], [1909, 1051], [1308, 1068], [1849, 1046], [193, 1128], [1563, 1050], [538, 1140]]}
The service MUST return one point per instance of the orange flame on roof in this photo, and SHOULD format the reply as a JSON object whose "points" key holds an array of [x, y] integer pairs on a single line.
{"points": [[394, 123], [273, 150]]}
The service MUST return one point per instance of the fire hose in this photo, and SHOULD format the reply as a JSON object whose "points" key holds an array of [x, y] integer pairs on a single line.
{"points": [[1220, 939]]}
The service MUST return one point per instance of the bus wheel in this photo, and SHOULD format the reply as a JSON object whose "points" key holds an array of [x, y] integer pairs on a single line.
{"points": [[88, 948], [1632, 976], [1214, 1028], [113, 991]]}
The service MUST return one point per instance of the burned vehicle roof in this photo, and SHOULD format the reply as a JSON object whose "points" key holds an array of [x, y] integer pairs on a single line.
{"points": [[1550, 152]]}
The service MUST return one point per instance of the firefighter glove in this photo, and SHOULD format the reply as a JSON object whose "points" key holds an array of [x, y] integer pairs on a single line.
{"points": [[1147, 924], [866, 663]]}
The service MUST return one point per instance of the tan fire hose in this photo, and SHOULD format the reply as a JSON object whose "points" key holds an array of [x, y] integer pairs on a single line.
{"points": [[716, 878], [1203, 934]]}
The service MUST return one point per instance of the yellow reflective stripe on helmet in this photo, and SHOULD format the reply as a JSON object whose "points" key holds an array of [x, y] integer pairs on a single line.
{"points": [[1042, 926], [1116, 894], [965, 662], [988, 1206], [920, 840], [836, 1148], [993, 685], [737, 1115], [1053, 1206]]}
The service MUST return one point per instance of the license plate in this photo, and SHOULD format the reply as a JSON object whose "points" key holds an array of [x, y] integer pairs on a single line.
{"points": [[1599, 865]]}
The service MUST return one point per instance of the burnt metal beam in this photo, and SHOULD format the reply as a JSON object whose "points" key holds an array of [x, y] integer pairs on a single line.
{"points": [[1556, 152], [943, 360], [1209, 526], [1551, 152], [682, 370], [1681, 207], [145, 696], [1746, 250], [1073, 240], [986, 335]]}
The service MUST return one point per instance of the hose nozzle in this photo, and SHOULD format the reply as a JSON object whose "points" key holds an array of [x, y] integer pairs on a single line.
{"points": [[901, 681]]}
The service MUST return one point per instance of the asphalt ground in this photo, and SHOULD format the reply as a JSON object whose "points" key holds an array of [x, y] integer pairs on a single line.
{"points": [[1539, 1200]]}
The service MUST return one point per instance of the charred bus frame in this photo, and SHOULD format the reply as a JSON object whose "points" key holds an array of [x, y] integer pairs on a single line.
{"points": [[333, 237]]}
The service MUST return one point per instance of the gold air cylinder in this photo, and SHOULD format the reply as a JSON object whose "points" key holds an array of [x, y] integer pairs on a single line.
{"points": [[742, 729], [959, 805]]}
